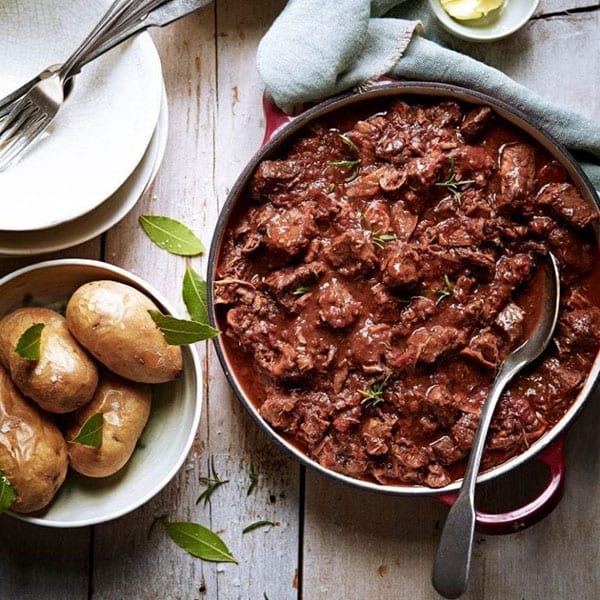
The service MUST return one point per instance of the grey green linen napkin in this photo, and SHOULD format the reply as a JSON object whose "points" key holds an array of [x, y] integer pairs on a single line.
{"points": [[319, 48]]}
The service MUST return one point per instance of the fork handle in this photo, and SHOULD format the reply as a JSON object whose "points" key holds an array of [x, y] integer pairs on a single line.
{"points": [[115, 12]]}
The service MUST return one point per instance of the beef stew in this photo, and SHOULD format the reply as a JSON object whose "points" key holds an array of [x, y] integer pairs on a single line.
{"points": [[377, 271]]}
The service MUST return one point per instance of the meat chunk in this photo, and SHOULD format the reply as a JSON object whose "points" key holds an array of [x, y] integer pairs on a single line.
{"points": [[574, 252], [565, 202], [517, 173], [352, 252], [401, 265], [476, 122], [580, 328], [510, 322], [273, 176], [294, 280], [403, 221], [483, 349], [427, 345], [369, 345], [288, 231], [446, 450], [377, 434], [278, 411], [337, 306]]}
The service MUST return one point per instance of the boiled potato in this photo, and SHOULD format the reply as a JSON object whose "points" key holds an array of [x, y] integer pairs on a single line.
{"points": [[125, 407], [33, 452], [64, 378], [111, 321]]}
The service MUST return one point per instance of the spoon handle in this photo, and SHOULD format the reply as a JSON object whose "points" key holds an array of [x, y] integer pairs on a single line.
{"points": [[453, 558]]}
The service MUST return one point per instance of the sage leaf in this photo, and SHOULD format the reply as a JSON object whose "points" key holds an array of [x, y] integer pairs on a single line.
{"points": [[28, 346], [7, 493], [180, 332], [171, 235], [90, 433], [258, 524], [194, 296], [199, 541]]}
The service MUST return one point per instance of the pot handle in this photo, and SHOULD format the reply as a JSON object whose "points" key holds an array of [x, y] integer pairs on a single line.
{"points": [[275, 118], [526, 516]]}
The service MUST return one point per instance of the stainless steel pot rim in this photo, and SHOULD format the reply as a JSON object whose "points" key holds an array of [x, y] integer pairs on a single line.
{"points": [[418, 89]]}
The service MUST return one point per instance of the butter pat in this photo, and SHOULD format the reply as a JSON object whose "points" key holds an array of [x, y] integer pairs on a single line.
{"points": [[466, 10]]}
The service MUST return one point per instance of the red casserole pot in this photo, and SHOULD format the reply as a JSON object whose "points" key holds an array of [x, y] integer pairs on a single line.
{"points": [[549, 449]]}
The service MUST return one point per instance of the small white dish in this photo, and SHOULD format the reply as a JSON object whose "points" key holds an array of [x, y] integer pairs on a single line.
{"points": [[102, 218], [498, 24], [104, 127], [171, 428]]}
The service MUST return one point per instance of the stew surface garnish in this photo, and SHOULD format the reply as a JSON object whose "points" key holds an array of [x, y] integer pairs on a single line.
{"points": [[376, 273]]}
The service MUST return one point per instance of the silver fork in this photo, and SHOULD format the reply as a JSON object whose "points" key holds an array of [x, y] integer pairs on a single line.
{"points": [[32, 114]]}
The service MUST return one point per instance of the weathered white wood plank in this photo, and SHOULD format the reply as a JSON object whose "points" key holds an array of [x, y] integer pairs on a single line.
{"points": [[268, 557], [357, 546], [127, 563]]}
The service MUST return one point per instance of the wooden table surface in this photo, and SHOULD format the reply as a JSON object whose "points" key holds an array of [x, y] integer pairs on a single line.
{"points": [[330, 541]]}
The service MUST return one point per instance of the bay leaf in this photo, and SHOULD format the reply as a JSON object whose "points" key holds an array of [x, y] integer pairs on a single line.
{"points": [[171, 235], [180, 332], [8, 495], [28, 346], [194, 295], [90, 433], [199, 541]]}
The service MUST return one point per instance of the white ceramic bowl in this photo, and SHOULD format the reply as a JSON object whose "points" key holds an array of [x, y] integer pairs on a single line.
{"points": [[173, 422], [498, 24]]}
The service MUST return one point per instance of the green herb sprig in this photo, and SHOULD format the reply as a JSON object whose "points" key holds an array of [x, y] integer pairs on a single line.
{"points": [[253, 476], [256, 525], [353, 165], [454, 185], [213, 483], [374, 395], [381, 239], [446, 290]]}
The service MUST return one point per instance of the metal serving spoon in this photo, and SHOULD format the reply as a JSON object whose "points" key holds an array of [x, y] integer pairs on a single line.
{"points": [[453, 559]]}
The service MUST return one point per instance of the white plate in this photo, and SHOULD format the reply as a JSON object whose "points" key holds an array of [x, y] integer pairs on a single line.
{"points": [[99, 220], [101, 132], [498, 24]]}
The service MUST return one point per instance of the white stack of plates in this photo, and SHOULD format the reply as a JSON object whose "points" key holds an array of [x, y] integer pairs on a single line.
{"points": [[105, 146]]}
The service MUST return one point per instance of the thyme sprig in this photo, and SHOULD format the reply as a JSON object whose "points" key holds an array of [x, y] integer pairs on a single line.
{"points": [[213, 482], [353, 165], [454, 185], [446, 290]]}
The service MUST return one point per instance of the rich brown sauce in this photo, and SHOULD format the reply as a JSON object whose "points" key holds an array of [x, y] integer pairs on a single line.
{"points": [[368, 295]]}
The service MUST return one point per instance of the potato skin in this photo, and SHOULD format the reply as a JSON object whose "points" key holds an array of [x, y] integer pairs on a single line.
{"points": [[125, 406], [64, 378], [111, 321], [33, 452]]}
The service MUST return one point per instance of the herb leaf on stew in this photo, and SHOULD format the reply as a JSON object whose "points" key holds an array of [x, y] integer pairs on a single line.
{"points": [[90, 433], [199, 541], [28, 346], [194, 296], [179, 332], [171, 235], [8, 495]]}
